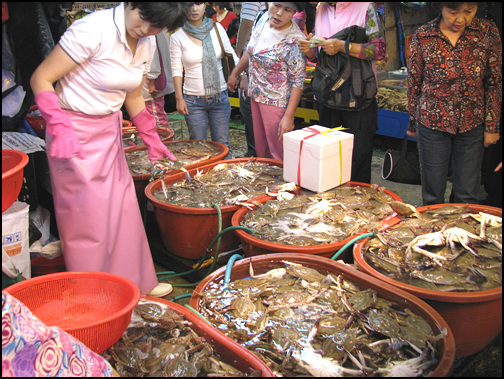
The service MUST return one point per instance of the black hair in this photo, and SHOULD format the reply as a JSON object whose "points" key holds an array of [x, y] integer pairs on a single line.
{"points": [[454, 5], [171, 15], [233, 27], [222, 5]]}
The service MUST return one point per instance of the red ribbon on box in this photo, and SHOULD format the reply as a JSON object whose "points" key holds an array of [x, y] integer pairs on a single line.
{"points": [[315, 132]]}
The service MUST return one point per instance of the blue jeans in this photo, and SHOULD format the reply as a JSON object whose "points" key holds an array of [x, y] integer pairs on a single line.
{"points": [[214, 111], [464, 151]]}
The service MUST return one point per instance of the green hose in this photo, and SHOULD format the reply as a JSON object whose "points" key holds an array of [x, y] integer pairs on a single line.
{"points": [[350, 243], [196, 313]]}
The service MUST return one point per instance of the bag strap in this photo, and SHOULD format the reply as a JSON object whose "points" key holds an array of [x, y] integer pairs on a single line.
{"points": [[220, 41], [347, 71], [404, 145]]}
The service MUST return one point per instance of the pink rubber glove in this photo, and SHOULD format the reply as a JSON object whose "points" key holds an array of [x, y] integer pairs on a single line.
{"points": [[146, 126], [65, 142]]}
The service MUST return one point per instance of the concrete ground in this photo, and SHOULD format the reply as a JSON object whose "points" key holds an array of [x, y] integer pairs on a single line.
{"points": [[486, 363]]}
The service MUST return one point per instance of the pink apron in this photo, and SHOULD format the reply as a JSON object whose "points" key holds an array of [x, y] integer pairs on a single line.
{"points": [[96, 208]]}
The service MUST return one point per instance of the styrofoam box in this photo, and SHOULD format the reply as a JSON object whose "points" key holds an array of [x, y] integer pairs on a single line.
{"points": [[321, 167]]}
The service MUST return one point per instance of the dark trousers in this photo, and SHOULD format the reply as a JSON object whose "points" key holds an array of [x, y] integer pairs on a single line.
{"points": [[246, 114], [363, 125], [464, 151]]}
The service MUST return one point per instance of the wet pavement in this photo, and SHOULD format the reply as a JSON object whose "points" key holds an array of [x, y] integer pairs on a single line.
{"points": [[485, 363]]}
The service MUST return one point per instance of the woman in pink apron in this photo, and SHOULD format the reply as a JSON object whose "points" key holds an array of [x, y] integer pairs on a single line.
{"points": [[99, 64]]}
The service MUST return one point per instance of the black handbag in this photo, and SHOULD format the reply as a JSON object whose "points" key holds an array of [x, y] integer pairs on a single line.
{"points": [[344, 82], [228, 63], [401, 166]]}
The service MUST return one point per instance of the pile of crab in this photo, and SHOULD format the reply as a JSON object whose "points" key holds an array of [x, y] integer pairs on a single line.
{"points": [[187, 152], [450, 248], [300, 321], [317, 219], [161, 342], [225, 184]]}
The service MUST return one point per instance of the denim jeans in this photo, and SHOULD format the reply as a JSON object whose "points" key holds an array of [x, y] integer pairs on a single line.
{"points": [[214, 111], [464, 151]]}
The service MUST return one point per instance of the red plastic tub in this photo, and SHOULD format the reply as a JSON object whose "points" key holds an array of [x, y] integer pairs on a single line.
{"points": [[474, 317], [254, 246], [228, 350], [13, 163], [264, 263], [141, 181], [186, 231]]}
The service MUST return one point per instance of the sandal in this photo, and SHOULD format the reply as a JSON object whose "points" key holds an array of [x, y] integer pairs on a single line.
{"points": [[161, 290]]}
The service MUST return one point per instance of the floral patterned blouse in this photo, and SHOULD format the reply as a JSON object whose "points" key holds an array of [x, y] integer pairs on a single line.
{"points": [[456, 88], [273, 72], [30, 348]]}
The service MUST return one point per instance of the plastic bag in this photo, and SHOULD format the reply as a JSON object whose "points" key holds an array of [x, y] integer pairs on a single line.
{"points": [[15, 238]]}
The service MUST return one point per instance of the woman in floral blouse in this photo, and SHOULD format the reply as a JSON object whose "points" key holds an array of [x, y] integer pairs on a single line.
{"points": [[455, 98], [276, 76], [31, 348]]}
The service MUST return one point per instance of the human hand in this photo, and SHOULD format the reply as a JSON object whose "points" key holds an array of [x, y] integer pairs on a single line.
{"points": [[232, 82], [411, 134], [491, 138], [304, 44], [499, 167], [286, 125], [159, 151], [332, 46], [182, 107], [65, 143]]}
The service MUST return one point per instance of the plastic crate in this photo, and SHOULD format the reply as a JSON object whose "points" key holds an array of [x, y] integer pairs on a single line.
{"points": [[393, 123]]}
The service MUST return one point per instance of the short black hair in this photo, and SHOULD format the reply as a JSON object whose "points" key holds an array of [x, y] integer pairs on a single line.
{"points": [[454, 5], [171, 15]]}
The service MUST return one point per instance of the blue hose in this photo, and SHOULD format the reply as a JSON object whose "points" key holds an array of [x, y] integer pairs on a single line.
{"points": [[340, 251], [229, 266]]}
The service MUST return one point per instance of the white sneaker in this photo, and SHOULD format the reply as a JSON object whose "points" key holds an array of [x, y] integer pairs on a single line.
{"points": [[161, 290]]}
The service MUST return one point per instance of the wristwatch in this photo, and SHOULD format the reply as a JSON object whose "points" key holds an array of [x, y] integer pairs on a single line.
{"points": [[243, 73]]}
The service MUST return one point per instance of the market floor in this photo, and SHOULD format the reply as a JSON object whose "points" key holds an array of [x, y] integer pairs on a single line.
{"points": [[486, 363]]}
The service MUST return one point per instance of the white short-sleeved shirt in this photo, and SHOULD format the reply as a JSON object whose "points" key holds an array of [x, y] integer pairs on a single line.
{"points": [[187, 59], [106, 69]]}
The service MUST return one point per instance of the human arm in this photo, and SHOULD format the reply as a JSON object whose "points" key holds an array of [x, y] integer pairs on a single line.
{"points": [[287, 123], [493, 85], [415, 80], [65, 142], [243, 35], [146, 125], [374, 49], [177, 73], [239, 68]]}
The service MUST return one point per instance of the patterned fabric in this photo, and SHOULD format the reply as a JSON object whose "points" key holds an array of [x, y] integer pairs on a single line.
{"points": [[331, 19], [30, 348], [274, 71], [456, 88]]}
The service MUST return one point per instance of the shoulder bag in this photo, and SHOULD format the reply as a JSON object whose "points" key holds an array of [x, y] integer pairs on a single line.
{"points": [[401, 166], [228, 63], [344, 82]]}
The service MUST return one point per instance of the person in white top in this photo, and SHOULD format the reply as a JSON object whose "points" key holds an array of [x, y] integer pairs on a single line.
{"points": [[159, 81], [99, 65], [196, 62]]}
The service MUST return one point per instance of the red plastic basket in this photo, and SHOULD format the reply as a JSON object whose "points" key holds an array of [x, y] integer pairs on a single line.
{"points": [[94, 307]]}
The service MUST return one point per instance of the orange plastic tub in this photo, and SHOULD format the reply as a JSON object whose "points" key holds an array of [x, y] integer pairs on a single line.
{"points": [[141, 181], [188, 232], [474, 317], [228, 350], [254, 246], [264, 263], [13, 163]]}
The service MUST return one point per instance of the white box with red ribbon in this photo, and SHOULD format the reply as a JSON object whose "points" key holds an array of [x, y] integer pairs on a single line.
{"points": [[317, 158]]}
